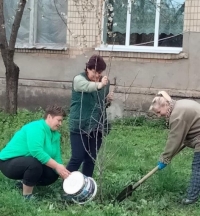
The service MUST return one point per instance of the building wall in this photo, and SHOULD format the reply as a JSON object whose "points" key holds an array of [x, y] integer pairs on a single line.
{"points": [[46, 76]]}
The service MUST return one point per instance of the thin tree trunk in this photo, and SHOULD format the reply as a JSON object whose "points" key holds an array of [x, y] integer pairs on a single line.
{"points": [[12, 76], [7, 52]]}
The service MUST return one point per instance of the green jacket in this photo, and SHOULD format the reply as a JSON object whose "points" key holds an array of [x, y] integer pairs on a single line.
{"points": [[34, 139], [88, 106], [184, 129]]}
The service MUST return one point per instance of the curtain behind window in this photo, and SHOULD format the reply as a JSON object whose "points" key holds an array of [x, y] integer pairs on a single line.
{"points": [[142, 27], [48, 24]]}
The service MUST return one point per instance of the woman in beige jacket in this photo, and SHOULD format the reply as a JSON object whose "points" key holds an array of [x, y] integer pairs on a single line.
{"points": [[184, 130]]}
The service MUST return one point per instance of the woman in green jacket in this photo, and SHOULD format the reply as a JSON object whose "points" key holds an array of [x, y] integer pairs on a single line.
{"points": [[88, 121], [184, 131], [33, 154]]}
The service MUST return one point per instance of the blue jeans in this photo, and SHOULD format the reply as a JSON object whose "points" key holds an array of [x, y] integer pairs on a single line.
{"points": [[84, 149]]}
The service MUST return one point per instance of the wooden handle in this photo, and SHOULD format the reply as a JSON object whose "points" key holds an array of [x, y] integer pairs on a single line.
{"points": [[148, 175], [145, 178], [128, 190]]}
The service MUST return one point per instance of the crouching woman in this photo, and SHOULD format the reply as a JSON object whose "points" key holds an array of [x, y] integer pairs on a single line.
{"points": [[184, 130], [33, 154]]}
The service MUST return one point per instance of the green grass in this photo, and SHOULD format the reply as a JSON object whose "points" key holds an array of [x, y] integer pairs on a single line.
{"points": [[131, 152]]}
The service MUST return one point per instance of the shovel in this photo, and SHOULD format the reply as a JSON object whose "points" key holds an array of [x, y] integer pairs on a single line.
{"points": [[131, 187]]}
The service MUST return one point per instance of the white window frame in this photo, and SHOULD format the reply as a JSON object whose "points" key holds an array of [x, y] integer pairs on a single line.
{"points": [[33, 33], [135, 48]]}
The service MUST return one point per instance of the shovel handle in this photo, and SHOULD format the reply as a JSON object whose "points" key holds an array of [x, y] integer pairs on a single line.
{"points": [[148, 175], [128, 190], [145, 177]]}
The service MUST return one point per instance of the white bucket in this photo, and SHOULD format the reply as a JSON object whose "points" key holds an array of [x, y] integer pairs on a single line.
{"points": [[79, 187]]}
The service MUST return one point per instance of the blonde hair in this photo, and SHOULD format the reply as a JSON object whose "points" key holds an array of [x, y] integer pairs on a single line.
{"points": [[160, 100]]}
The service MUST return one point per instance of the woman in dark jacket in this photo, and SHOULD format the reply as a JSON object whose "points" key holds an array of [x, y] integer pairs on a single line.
{"points": [[88, 120]]}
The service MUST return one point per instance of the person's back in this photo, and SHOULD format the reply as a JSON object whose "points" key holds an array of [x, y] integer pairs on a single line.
{"points": [[189, 112], [18, 143], [186, 106]]}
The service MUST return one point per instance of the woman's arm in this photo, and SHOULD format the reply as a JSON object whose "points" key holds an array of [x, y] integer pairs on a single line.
{"points": [[176, 137], [52, 163], [60, 169], [81, 84]]}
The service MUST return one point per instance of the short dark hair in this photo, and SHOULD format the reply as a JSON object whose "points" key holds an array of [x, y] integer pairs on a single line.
{"points": [[54, 110], [97, 63]]}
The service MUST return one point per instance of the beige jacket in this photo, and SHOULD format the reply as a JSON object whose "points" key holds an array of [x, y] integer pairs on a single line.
{"points": [[184, 125]]}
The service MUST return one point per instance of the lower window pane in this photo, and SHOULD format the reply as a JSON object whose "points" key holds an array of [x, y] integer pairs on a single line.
{"points": [[115, 22], [143, 13], [50, 26], [10, 8], [171, 23]]}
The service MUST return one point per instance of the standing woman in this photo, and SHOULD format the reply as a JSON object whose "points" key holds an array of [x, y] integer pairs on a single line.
{"points": [[184, 130], [88, 122]]}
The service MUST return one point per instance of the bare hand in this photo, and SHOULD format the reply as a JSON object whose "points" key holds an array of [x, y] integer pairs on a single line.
{"points": [[62, 171], [110, 97], [104, 80]]}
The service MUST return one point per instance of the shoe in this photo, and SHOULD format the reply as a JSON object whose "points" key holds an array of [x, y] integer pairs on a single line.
{"points": [[29, 197], [188, 201], [19, 185]]}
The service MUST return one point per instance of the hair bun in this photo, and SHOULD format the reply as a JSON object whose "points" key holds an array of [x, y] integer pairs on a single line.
{"points": [[165, 95]]}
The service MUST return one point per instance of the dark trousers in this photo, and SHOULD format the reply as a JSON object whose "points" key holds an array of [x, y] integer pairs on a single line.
{"points": [[194, 187], [84, 150], [29, 170]]}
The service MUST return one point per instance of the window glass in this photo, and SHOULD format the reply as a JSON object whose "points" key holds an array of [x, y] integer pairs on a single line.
{"points": [[151, 23], [115, 21], [171, 23], [50, 26], [143, 13], [10, 8], [46, 21]]}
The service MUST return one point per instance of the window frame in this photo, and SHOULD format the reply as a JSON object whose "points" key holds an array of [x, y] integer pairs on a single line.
{"points": [[135, 48], [33, 33]]}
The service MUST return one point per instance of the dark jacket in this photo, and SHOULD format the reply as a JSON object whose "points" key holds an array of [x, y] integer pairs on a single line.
{"points": [[88, 106]]}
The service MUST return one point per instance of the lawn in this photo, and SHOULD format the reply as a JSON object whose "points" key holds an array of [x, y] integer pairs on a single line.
{"points": [[132, 150]]}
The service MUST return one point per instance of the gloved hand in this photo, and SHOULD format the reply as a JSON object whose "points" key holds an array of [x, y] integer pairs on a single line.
{"points": [[161, 165]]}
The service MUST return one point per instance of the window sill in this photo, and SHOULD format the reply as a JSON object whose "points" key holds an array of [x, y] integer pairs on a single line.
{"points": [[42, 46], [142, 49]]}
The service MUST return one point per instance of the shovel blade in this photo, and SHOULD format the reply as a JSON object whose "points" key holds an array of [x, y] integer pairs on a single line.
{"points": [[125, 193]]}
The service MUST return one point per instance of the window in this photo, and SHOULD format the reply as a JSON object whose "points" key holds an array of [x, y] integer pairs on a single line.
{"points": [[42, 26], [143, 25]]}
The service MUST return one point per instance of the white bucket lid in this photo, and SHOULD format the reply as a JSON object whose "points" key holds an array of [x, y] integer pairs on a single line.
{"points": [[73, 183]]}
